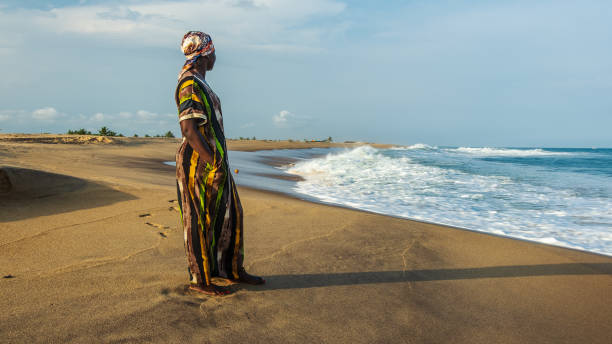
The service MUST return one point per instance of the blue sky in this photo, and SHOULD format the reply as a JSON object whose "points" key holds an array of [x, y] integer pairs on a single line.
{"points": [[461, 73]]}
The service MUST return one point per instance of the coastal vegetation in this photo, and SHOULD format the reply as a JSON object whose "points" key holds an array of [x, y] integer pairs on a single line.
{"points": [[79, 132], [105, 131]]}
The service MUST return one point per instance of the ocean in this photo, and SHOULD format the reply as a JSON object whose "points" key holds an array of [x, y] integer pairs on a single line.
{"points": [[560, 196]]}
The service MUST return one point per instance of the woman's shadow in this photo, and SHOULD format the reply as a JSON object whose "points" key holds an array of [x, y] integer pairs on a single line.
{"points": [[275, 282]]}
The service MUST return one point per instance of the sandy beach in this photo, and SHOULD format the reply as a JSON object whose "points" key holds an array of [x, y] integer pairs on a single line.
{"points": [[92, 252]]}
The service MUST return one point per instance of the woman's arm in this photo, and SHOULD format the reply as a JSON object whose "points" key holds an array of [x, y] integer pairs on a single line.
{"points": [[189, 128]]}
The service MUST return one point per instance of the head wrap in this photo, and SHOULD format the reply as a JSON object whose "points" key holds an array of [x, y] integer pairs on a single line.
{"points": [[196, 44]]}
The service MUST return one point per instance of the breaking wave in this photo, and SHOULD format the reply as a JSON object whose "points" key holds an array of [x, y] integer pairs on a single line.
{"points": [[549, 202]]}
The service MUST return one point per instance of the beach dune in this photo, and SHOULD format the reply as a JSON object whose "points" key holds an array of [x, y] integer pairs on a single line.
{"points": [[91, 251]]}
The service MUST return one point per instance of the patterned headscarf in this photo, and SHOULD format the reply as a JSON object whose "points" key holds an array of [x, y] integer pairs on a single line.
{"points": [[196, 44]]}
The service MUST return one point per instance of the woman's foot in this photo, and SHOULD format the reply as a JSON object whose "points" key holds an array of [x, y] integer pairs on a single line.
{"points": [[212, 290], [244, 277]]}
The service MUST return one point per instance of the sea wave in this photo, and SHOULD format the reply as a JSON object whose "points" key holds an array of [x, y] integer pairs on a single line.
{"points": [[402, 183], [487, 151], [416, 146]]}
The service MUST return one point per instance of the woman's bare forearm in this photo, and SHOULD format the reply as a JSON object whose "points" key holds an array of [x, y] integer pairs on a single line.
{"points": [[189, 128]]}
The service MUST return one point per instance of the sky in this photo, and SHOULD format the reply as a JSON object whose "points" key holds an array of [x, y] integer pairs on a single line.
{"points": [[445, 73]]}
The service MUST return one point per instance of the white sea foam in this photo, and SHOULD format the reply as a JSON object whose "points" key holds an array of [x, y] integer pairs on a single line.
{"points": [[486, 151], [399, 183], [415, 146]]}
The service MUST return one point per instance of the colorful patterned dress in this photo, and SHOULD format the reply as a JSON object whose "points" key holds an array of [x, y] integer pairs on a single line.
{"points": [[211, 212]]}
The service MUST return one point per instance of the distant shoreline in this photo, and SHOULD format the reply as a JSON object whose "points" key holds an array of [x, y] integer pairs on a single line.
{"points": [[241, 145]]}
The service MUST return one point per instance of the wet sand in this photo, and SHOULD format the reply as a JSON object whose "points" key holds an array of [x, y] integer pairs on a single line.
{"points": [[91, 251]]}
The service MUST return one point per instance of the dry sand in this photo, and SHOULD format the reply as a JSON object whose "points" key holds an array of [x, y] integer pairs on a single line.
{"points": [[91, 250]]}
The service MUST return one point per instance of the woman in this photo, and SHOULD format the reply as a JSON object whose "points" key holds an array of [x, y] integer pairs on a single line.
{"points": [[211, 212]]}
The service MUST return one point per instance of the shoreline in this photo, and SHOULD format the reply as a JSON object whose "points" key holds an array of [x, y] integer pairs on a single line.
{"points": [[94, 250], [249, 146], [233, 144], [341, 206], [278, 161]]}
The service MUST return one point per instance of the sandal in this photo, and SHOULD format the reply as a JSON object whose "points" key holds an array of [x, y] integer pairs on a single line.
{"points": [[244, 277]]}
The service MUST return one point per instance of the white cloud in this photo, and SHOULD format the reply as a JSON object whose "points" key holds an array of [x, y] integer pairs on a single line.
{"points": [[15, 116], [282, 118], [126, 120], [247, 125], [45, 114], [49, 119], [259, 24], [140, 116], [286, 119], [144, 114]]}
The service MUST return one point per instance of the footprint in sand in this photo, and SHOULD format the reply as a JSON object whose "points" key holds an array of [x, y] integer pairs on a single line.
{"points": [[158, 226], [163, 229], [175, 208]]}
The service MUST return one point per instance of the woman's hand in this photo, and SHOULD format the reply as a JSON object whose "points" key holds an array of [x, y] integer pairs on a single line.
{"points": [[189, 129], [217, 161]]}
